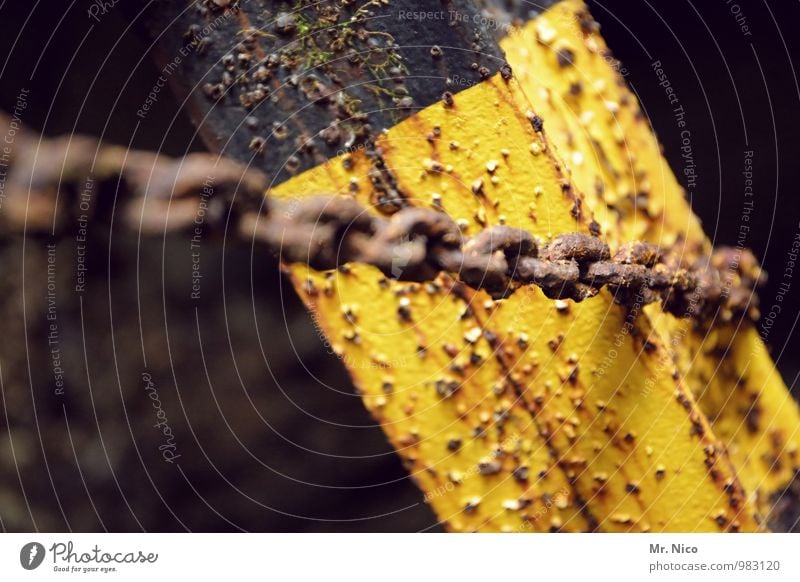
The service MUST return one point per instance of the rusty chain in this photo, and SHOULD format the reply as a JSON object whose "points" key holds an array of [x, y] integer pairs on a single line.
{"points": [[416, 244], [41, 195]]}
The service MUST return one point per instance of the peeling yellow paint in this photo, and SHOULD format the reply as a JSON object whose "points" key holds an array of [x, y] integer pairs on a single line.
{"points": [[598, 130], [431, 379]]}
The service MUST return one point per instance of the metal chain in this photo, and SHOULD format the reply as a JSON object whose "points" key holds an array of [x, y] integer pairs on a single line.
{"points": [[416, 244], [328, 232]]}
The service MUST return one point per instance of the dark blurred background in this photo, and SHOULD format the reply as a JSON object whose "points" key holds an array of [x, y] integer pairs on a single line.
{"points": [[270, 432]]}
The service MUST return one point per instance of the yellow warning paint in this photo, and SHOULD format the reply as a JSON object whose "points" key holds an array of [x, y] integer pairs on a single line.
{"points": [[500, 408], [598, 131]]}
